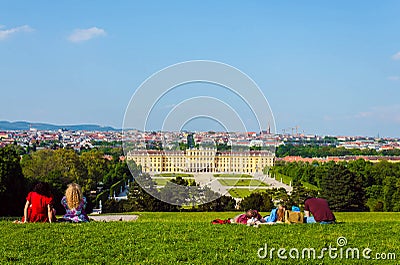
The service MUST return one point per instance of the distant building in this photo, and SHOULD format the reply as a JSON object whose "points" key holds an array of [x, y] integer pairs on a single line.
{"points": [[4, 136], [201, 160], [372, 159]]}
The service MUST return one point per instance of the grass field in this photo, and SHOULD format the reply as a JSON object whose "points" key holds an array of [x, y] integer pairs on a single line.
{"points": [[163, 181], [174, 175], [232, 176], [241, 193], [241, 182], [189, 238]]}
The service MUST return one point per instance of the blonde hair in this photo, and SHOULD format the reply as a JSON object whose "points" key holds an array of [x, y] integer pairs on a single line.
{"points": [[280, 214], [73, 195]]}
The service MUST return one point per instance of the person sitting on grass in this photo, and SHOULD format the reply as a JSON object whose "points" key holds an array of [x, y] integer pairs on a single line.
{"points": [[277, 215], [319, 208], [39, 205], [74, 203], [251, 217]]}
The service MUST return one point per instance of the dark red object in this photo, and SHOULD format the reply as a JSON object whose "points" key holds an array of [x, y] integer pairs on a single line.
{"points": [[220, 222]]}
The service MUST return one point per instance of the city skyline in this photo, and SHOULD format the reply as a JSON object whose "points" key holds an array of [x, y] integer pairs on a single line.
{"points": [[329, 68], [91, 127]]}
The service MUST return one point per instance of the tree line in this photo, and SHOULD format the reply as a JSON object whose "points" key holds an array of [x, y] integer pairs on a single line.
{"points": [[315, 150], [349, 186], [95, 172], [90, 169]]}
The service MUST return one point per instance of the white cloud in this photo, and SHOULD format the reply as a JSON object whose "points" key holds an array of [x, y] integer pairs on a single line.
{"points": [[376, 114], [396, 56], [393, 78], [5, 33], [80, 35], [390, 113]]}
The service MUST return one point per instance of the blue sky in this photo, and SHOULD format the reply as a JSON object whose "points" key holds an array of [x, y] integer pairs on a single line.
{"points": [[329, 67]]}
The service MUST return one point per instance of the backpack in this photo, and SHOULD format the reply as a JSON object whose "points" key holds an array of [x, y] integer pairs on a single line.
{"points": [[295, 208], [293, 217]]}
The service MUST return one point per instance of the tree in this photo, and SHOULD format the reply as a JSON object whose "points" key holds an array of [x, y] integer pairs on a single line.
{"points": [[280, 195], [118, 170], [253, 201], [257, 201], [70, 166], [391, 194], [223, 203], [12, 184], [342, 188], [58, 168], [176, 193], [361, 169], [139, 198], [268, 204], [396, 197], [299, 194], [375, 199], [113, 206], [38, 165], [95, 165]]}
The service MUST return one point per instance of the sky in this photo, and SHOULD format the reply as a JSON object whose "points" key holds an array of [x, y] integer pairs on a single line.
{"points": [[325, 67]]}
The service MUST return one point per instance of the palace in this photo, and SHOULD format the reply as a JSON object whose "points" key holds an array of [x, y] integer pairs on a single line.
{"points": [[201, 160]]}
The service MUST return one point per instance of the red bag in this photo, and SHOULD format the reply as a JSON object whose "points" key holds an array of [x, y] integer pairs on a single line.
{"points": [[220, 222]]}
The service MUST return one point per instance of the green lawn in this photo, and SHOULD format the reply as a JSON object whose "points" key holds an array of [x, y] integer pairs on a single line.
{"points": [[232, 176], [174, 175], [163, 181], [189, 238], [241, 182], [241, 193]]}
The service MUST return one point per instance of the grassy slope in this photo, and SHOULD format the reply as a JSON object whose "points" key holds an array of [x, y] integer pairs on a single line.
{"points": [[166, 238]]}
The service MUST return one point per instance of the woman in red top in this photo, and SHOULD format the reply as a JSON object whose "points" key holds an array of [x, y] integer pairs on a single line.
{"points": [[38, 206]]}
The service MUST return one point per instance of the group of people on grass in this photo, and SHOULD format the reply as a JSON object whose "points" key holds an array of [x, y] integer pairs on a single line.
{"points": [[316, 210], [39, 206]]}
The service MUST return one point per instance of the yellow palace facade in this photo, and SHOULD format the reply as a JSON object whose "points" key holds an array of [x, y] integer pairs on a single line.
{"points": [[201, 160]]}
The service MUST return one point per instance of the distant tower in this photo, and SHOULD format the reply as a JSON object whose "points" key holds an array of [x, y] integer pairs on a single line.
{"points": [[190, 141], [269, 128]]}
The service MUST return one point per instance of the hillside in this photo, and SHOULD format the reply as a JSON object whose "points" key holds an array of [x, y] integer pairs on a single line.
{"points": [[24, 125], [189, 238]]}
